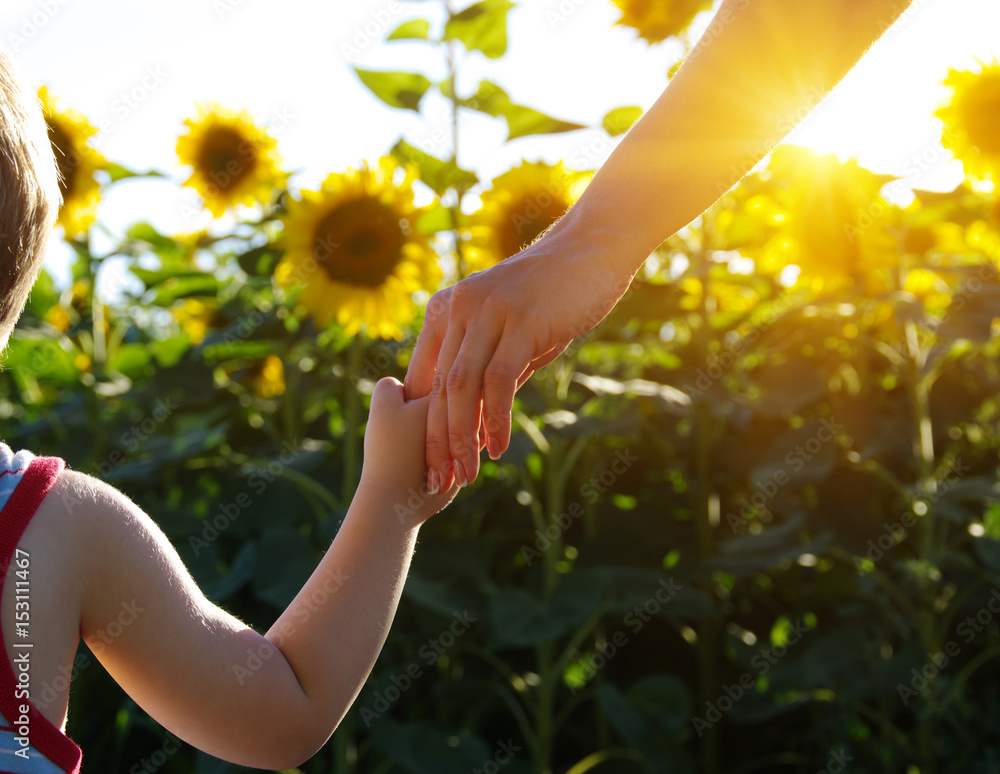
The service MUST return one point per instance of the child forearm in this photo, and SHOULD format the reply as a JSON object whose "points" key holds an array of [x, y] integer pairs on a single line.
{"points": [[333, 630]]}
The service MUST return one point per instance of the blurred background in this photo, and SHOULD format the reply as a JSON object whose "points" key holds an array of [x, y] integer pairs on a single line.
{"points": [[749, 523]]}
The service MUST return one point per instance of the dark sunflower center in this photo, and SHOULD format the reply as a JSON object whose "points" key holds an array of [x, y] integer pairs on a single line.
{"points": [[66, 158], [528, 218], [227, 157], [359, 243]]}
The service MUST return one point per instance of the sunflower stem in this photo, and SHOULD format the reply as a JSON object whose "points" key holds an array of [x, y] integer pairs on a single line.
{"points": [[456, 207]]}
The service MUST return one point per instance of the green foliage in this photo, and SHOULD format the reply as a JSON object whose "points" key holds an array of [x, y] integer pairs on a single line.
{"points": [[620, 120], [413, 29], [395, 88], [481, 27], [741, 525]]}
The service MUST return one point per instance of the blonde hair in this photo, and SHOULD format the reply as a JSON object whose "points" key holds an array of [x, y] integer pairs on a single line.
{"points": [[29, 195]]}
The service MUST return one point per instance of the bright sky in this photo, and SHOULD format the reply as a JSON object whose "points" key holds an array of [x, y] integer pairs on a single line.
{"points": [[138, 68]]}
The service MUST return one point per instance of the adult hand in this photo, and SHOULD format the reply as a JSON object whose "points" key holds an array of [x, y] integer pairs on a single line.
{"points": [[483, 337]]}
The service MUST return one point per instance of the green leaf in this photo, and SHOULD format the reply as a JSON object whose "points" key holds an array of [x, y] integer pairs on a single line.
{"points": [[423, 749], [971, 313], [481, 27], [395, 88], [434, 219], [165, 247], [521, 120], [620, 120], [131, 360], [489, 98], [626, 720], [663, 697], [117, 172], [415, 28], [522, 620], [260, 261], [438, 174], [788, 387], [168, 351], [283, 567], [239, 574], [171, 289]]}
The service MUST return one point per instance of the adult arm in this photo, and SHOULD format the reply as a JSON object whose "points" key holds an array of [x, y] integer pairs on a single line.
{"points": [[760, 68]]}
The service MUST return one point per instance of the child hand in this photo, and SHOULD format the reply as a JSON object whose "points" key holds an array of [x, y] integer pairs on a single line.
{"points": [[394, 453]]}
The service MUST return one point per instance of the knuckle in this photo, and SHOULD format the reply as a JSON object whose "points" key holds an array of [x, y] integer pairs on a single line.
{"points": [[438, 306], [439, 384], [496, 421], [498, 376], [461, 447], [437, 449], [458, 377]]}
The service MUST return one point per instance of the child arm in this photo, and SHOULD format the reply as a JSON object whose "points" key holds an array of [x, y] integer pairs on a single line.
{"points": [[271, 700]]}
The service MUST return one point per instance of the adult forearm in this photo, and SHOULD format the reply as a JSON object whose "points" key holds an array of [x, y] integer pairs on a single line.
{"points": [[759, 69]]}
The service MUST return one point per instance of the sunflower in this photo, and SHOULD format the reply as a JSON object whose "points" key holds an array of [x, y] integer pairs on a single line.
{"points": [[354, 246], [69, 133], [232, 161], [828, 219], [267, 378], [195, 318], [522, 203], [655, 20], [972, 119]]}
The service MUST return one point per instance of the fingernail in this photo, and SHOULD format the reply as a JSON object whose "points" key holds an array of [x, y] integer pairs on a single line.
{"points": [[493, 447], [433, 484], [460, 478]]}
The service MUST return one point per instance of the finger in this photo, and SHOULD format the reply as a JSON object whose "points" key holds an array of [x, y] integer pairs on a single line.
{"points": [[501, 378], [388, 391], [440, 467], [420, 373], [465, 398]]}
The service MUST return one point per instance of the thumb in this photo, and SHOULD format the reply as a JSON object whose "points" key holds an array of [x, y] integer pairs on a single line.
{"points": [[388, 392]]}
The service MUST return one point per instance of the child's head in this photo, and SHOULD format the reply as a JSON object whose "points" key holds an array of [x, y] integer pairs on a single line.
{"points": [[29, 195]]}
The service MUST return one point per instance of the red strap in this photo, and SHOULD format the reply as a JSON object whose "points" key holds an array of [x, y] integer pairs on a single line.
{"points": [[24, 501]]}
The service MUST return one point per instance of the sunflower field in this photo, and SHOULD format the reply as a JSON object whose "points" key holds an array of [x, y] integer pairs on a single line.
{"points": [[749, 523]]}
